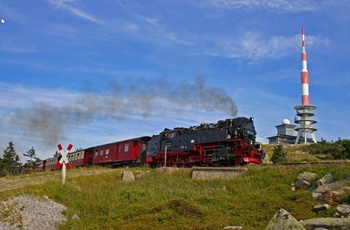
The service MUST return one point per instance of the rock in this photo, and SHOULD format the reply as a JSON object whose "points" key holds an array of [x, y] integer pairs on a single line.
{"points": [[127, 176], [167, 170], [234, 227], [343, 210], [327, 223], [307, 176], [301, 184], [316, 195], [332, 197], [320, 207], [327, 179], [75, 217], [284, 220], [333, 186], [346, 176], [304, 180]]}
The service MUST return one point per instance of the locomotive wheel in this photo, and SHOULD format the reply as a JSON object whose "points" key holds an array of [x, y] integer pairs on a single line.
{"points": [[181, 162], [191, 162], [160, 163], [238, 161], [171, 162], [215, 163]]}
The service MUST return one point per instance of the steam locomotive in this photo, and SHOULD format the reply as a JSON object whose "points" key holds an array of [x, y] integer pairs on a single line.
{"points": [[228, 142]]}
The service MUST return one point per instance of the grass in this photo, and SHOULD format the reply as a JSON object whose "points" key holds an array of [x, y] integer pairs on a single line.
{"points": [[157, 201], [295, 153]]}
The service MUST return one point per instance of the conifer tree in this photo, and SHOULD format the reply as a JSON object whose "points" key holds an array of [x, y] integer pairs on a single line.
{"points": [[279, 156], [10, 161], [34, 161]]}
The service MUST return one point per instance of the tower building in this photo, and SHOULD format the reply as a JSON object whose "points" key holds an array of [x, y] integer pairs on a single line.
{"points": [[304, 111]]}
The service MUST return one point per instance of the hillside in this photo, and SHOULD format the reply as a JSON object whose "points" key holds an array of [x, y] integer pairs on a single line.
{"points": [[101, 200]]}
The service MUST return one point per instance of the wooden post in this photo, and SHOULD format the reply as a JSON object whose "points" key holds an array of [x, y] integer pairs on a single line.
{"points": [[64, 173], [166, 151]]}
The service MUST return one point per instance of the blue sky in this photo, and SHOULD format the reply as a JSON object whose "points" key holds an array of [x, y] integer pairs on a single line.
{"points": [[94, 72]]}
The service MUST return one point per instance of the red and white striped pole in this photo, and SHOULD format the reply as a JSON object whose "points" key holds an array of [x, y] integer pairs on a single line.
{"points": [[304, 74]]}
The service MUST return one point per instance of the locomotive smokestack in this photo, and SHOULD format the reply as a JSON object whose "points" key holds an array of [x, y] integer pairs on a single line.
{"points": [[304, 73]]}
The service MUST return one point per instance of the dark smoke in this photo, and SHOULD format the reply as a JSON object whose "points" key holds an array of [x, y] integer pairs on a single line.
{"points": [[142, 97]]}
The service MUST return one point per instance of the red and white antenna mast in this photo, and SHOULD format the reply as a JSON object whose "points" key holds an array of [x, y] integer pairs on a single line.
{"points": [[304, 73], [303, 110]]}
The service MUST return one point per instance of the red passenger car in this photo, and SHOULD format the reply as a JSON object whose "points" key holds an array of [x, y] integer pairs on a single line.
{"points": [[80, 158], [50, 163], [127, 152]]}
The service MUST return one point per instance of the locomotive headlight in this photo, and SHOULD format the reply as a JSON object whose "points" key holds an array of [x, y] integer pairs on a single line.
{"points": [[251, 118]]}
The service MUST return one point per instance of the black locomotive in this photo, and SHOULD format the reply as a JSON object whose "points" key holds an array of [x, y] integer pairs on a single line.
{"points": [[227, 142]]}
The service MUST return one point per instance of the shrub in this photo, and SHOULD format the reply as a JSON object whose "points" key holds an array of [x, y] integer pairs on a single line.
{"points": [[279, 156]]}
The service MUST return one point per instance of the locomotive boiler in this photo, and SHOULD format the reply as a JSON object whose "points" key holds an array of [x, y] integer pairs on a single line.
{"points": [[227, 142]]}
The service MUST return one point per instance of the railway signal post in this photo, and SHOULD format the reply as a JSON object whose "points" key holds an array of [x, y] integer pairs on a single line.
{"points": [[64, 161]]}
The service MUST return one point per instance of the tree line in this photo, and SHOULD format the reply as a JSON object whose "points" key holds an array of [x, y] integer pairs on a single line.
{"points": [[10, 162]]}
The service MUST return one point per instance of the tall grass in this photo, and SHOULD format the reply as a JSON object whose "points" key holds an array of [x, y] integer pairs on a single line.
{"points": [[158, 201]]}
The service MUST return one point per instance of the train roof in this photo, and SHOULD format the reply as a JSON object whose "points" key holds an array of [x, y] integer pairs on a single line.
{"points": [[147, 138]]}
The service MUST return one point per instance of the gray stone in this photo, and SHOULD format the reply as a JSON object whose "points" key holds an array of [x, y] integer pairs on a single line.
{"points": [[343, 210], [320, 207], [333, 186], [75, 217], [284, 220], [307, 176], [234, 227], [207, 173], [316, 195], [327, 179], [304, 180], [127, 176], [167, 170], [332, 197], [301, 184], [327, 223]]}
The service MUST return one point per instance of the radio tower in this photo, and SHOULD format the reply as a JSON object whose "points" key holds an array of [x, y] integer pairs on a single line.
{"points": [[303, 110]]}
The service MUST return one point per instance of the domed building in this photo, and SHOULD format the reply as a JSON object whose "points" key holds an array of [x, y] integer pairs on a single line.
{"points": [[285, 134]]}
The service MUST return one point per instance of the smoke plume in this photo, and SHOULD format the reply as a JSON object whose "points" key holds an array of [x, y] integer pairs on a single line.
{"points": [[139, 98]]}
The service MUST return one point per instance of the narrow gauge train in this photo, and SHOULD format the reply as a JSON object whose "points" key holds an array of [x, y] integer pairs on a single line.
{"points": [[227, 142]]}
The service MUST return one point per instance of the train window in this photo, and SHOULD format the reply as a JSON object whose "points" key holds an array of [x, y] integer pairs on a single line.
{"points": [[144, 146], [119, 148], [78, 156], [101, 152], [126, 148], [96, 153], [107, 151]]}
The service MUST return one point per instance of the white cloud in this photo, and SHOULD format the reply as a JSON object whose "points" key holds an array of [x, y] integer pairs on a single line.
{"points": [[254, 46], [284, 5], [72, 7]]}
